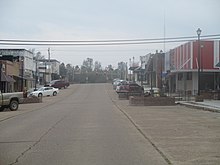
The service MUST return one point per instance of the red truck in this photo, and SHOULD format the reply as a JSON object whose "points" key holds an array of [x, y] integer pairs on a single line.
{"points": [[59, 84]]}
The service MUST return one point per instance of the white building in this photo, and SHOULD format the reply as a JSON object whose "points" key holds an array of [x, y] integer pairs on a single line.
{"points": [[25, 58], [47, 70]]}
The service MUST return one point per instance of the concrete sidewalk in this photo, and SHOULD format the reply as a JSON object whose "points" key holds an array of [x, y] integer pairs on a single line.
{"points": [[208, 105], [182, 135]]}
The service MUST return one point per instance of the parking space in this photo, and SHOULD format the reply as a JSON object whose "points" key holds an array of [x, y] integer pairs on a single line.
{"points": [[47, 100]]}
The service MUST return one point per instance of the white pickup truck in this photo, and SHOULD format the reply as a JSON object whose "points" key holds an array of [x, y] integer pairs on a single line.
{"points": [[10, 100]]}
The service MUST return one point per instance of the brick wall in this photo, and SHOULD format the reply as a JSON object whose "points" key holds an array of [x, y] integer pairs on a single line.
{"points": [[151, 101]]}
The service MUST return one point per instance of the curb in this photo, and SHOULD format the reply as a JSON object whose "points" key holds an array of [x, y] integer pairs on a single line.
{"points": [[200, 107]]}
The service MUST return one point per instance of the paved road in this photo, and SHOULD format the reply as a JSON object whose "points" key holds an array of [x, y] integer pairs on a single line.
{"points": [[80, 126], [88, 124]]}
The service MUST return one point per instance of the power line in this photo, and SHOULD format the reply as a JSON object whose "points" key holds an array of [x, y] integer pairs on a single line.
{"points": [[99, 44], [97, 50], [114, 40], [104, 42]]}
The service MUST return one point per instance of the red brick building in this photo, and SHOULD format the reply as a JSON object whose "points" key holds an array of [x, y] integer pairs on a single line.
{"points": [[182, 66]]}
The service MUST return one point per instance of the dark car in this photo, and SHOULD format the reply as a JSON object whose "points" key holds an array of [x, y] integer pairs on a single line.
{"points": [[59, 84]]}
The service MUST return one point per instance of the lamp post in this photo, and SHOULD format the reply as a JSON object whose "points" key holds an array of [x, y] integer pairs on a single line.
{"points": [[36, 76], [141, 58], [130, 69], [133, 76], [45, 81], [22, 73], [151, 78], [199, 58]]}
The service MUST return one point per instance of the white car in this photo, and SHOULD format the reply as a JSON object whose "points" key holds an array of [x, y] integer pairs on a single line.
{"points": [[45, 91], [147, 90]]}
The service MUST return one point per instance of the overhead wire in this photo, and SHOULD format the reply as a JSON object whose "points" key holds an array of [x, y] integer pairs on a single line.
{"points": [[104, 42], [96, 44], [113, 40]]}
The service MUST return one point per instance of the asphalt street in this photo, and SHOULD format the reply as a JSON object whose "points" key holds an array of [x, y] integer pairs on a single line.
{"points": [[87, 124], [80, 126]]}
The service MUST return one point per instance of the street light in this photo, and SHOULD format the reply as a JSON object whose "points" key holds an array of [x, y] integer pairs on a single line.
{"points": [[199, 61], [130, 69], [151, 77], [133, 76], [22, 73], [36, 76], [45, 81]]}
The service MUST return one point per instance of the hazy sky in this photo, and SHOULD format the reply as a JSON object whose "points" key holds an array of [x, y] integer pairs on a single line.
{"points": [[105, 19]]}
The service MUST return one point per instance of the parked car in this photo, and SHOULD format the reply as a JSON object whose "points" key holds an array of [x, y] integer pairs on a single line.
{"points": [[131, 88], [10, 100], [29, 91], [156, 91], [59, 84], [121, 86], [45, 91], [115, 83], [114, 80], [118, 82]]}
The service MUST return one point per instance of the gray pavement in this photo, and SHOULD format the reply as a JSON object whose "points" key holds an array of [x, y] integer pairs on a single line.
{"points": [[95, 127], [85, 128], [185, 135], [209, 105]]}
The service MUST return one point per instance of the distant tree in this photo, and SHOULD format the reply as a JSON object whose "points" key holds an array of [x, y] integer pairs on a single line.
{"points": [[110, 68], [84, 69], [109, 72], [69, 72], [98, 66], [63, 71], [38, 56], [87, 65], [77, 69]]}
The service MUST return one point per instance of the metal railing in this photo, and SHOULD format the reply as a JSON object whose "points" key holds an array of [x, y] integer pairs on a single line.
{"points": [[182, 95]]}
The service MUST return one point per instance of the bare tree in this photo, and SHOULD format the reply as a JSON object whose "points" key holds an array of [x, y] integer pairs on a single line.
{"points": [[98, 66]]}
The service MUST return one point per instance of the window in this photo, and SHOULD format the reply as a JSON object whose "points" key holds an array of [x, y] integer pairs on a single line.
{"points": [[189, 76], [180, 76]]}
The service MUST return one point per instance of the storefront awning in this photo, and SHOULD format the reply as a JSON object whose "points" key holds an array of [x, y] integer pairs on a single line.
{"points": [[6, 78], [218, 65], [25, 78]]}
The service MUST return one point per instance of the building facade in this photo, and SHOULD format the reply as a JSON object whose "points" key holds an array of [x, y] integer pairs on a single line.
{"points": [[123, 69], [152, 69], [182, 65], [47, 70], [21, 67], [8, 70]]}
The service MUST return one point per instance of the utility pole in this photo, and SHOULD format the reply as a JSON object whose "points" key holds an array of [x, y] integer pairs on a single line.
{"points": [[133, 76], [36, 75], [141, 58], [49, 78], [130, 69], [199, 59], [45, 81], [22, 73]]}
